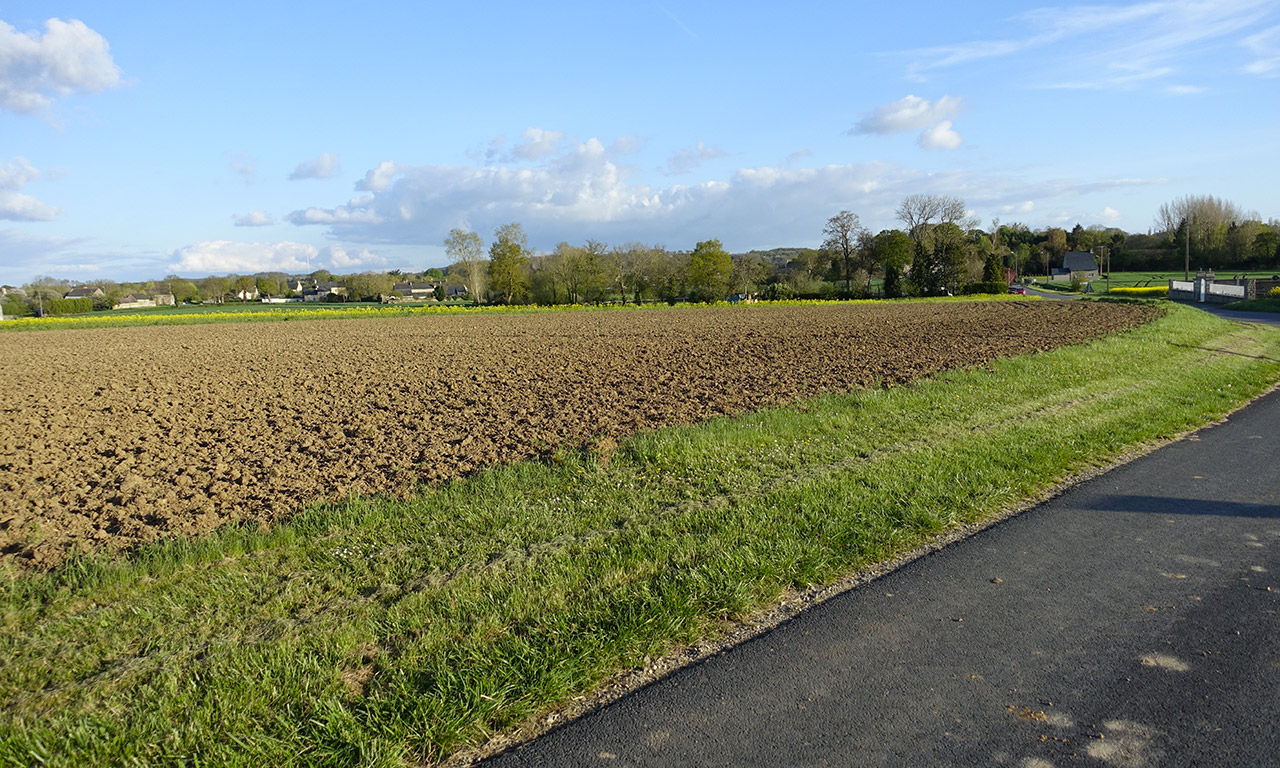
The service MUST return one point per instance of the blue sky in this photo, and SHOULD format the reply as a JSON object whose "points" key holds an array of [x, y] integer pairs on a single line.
{"points": [[142, 139]]}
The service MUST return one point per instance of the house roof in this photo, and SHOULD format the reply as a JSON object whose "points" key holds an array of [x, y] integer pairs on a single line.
{"points": [[83, 292], [1079, 261]]}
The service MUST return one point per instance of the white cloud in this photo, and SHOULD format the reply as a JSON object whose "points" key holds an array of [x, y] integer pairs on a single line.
{"points": [[224, 256], [1184, 90], [358, 210], [940, 136], [68, 58], [379, 178], [337, 257], [1265, 45], [14, 206], [17, 173], [323, 167], [537, 144], [686, 160], [1110, 215], [254, 219], [910, 113], [582, 193], [18, 207]]}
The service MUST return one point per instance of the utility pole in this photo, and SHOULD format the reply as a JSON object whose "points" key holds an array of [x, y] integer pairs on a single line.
{"points": [[1103, 252]]}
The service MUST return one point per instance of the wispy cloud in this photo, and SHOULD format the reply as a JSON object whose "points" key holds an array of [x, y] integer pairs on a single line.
{"points": [[1265, 47], [325, 166], [242, 164], [1116, 47], [678, 22], [687, 159]]}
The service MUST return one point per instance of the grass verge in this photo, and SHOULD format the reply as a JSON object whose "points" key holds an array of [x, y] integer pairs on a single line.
{"points": [[382, 632], [1256, 305]]}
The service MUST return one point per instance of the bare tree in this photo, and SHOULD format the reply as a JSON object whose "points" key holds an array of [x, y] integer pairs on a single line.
{"points": [[466, 249], [920, 212], [841, 242], [1207, 219]]}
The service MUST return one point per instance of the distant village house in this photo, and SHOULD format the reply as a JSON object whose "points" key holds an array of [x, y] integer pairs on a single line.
{"points": [[1081, 262], [135, 301]]}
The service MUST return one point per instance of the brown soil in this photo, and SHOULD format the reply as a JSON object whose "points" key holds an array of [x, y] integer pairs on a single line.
{"points": [[112, 437]]}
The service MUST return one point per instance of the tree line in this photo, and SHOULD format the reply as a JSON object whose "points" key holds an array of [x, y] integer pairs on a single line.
{"points": [[939, 248]]}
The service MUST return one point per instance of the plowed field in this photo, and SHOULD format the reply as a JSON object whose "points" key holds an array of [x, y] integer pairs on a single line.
{"points": [[111, 437]]}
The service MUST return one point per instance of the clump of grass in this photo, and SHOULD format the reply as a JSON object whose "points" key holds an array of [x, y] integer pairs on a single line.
{"points": [[382, 632]]}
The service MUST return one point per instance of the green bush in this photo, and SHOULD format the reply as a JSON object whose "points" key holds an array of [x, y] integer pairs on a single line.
{"points": [[15, 307], [777, 292], [68, 306], [992, 286]]}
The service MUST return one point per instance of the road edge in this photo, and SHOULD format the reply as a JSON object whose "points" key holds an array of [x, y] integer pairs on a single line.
{"points": [[793, 604]]}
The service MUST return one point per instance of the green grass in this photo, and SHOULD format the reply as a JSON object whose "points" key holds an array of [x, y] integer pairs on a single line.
{"points": [[1059, 287], [1142, 279], [383, 632], [1256, 305]]}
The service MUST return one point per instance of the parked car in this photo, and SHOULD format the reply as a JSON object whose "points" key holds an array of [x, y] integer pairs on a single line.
{"points": [[1021, 290]]}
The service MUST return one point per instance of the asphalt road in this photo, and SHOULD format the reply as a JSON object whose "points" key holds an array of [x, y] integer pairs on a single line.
{"points": [[1132, 621]]}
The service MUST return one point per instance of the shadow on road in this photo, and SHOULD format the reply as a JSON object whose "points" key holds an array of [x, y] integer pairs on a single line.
{"points": [[1167, 505]]}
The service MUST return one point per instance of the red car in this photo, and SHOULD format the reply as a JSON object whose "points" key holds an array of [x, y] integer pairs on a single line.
{"points": [[1018, 289]]}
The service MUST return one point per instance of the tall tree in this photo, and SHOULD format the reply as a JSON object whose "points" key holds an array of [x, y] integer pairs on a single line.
{"points": [[244, 285], [368, 286], [509, 263], [841, 243], [466, 250], [920, 212], [214, 288], [581, 270], [1055, 243], [710, 267]]}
